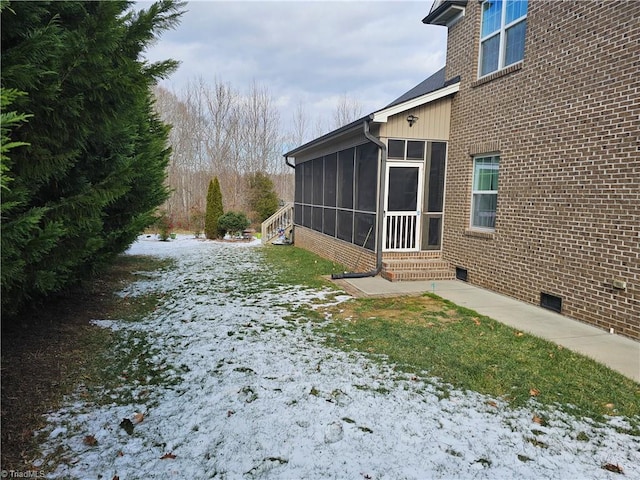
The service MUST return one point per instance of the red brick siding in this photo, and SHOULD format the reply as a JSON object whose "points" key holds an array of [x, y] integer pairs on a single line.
{"points": [[566, 124], [357, 259]]}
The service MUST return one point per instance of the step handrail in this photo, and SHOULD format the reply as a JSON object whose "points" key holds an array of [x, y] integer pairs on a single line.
{"points": [[278, 222]]}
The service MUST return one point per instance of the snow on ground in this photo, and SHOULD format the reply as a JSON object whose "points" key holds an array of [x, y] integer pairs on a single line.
{"points": [[256, 395]]}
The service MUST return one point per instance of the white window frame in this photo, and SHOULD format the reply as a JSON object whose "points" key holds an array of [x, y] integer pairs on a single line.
{"points": [[502, 33], [475, 192]]}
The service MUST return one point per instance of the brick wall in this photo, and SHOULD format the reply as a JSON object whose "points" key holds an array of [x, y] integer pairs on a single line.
{"points": [[566, 124], [355, 258]]}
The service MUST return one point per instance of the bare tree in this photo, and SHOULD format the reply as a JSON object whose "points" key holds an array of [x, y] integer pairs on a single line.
{"points": [[347, 110]]}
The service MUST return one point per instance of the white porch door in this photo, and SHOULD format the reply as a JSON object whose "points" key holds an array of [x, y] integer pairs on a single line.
{"points": [[402, 207]]}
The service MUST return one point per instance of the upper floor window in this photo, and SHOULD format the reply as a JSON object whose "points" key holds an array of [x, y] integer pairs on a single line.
{"points": [[484, 201], [504, 23]]}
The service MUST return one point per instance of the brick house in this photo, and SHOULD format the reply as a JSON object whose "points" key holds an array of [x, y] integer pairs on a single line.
{"points": [[543, 172], [541, 198]]}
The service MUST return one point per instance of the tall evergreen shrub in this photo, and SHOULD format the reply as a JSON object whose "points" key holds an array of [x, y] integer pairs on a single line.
{"points": [[214, 210], [94, 170]]}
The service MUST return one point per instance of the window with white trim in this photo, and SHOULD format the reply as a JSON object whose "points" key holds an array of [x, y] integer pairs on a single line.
{"points": [[484, 199], [503, 28]]}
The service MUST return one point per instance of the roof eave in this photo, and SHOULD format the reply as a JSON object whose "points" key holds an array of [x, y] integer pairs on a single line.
{"points": [[340, 132], [383, 115], [447, 13]]}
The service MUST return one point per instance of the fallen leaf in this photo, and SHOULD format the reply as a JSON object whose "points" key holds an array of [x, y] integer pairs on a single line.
{"points": [[166, 456], [491, 403], [613, 468], [90, 440], [138, 417], [609, 405], [127, 425], [534, 392], [476, 321], [519, 334], [115, 477], [538, 420], [120, 453]]}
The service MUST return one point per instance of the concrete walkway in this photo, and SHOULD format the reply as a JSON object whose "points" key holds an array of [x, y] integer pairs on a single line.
{"points": [[618, 353]]}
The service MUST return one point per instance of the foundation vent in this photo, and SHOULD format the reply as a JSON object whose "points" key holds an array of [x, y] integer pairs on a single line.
{"points": [[550, 302], [461, 274]]}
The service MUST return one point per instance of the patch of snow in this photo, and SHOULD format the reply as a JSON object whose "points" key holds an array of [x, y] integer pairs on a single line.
{"points": [[257, 395]]}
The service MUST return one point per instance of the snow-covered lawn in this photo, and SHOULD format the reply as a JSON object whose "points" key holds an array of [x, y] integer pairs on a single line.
{"points": [[254, 394]]}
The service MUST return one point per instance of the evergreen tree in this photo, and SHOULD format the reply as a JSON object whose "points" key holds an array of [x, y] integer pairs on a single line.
{"points": [[263, 200], [214, 210], [94, 170]]}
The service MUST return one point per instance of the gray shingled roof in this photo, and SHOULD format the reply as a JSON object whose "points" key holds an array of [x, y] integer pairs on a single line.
{"points": [[431, 84]]}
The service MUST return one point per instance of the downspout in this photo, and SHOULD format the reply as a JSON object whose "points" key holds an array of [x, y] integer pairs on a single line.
{"points": [[380, 216], [286, 160]]}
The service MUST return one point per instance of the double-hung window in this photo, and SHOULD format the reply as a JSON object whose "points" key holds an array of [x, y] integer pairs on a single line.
{"points": [[504, 24], [484, 199]]}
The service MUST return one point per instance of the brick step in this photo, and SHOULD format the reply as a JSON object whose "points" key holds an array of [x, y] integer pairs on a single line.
{"points": [[413, 275], [415, 264], [411, 255]]}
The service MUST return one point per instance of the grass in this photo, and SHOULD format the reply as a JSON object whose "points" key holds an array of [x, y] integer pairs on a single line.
{"points": [[51, 350], [467, 350], [295, 266]]}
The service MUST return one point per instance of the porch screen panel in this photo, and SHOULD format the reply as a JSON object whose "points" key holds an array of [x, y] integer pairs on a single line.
{"points": [[316, 218], [330, 179], [431, 232], [366, 177], [364, 234], [415, 150], [318, 180], [329, 221], [297, 214], [345, 178], [306, 215], [345, 225], [299, 178], [435, 197], [307, 186], [396, 149]]}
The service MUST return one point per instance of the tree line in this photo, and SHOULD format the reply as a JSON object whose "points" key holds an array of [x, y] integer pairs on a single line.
{"points": [[237, 136]]}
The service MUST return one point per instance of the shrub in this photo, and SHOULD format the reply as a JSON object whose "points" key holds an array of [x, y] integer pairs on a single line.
{"points": [[233, 222]]}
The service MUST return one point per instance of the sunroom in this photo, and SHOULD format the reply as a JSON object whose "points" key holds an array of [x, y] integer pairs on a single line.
{"points": [[370, 195]]}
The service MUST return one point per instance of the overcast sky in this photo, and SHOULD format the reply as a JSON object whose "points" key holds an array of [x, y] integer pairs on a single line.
{"points": [[311, 52]]}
